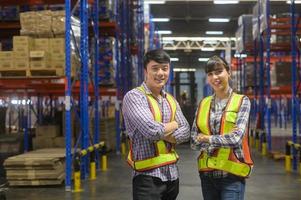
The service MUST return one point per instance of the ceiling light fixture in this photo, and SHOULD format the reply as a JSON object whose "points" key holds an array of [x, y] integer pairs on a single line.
{"points": [[296, 2], [214, 32], [163, 32], [184, 69], [160, 19], [237, 55], [210, 42], [219, 19], [167, 42], [174, 59], [203, 59], [225, 39], [154, 2], [226, 1], [207, 49]]}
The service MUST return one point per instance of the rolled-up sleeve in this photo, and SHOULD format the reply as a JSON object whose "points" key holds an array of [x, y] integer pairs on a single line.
{"points": [[183, 132], [137, 116], [196, 145]]}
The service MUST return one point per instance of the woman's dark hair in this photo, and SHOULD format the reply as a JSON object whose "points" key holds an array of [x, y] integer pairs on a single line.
{"points": [[158, 55], [214, 63]]}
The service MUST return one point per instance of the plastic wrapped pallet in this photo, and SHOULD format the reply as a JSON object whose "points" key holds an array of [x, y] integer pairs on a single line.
{"points": [[44, 19], [244, 32], [28, 23], [58, 22]]}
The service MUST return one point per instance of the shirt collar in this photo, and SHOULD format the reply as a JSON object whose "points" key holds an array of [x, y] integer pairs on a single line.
{"points": [[230, 90], [148, 91]]}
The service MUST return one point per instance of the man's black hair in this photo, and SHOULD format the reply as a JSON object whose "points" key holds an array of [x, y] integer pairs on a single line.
{"points": [[158, 55], [214, 63]]}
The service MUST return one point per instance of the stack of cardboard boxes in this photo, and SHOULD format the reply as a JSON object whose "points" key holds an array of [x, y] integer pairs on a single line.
{"points": [[48, 136]]}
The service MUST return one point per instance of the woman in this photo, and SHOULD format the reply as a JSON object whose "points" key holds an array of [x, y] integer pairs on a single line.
{"points": [[220, 132]]}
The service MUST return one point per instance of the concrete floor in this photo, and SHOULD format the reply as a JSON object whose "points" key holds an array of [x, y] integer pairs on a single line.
{"points": [[268, 182]]}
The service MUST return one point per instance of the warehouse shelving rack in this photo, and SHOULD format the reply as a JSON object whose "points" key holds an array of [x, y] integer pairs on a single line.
{"points": [[265, 61], [64, 86]]}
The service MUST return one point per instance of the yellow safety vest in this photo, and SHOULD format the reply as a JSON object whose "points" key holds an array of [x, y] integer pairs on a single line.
{"points": [[163, 156], [224, 159]]}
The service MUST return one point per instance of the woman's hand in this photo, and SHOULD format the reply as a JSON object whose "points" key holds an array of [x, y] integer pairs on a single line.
{"points": [[203, 138]]}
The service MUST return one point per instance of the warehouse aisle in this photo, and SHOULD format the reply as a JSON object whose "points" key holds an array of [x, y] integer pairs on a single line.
{"points": [[268, 182]]}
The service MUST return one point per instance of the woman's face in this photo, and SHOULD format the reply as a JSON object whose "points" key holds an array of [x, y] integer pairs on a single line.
{"points": [[219, 78]]}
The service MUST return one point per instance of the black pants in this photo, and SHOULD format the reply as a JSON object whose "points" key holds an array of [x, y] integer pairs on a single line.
{"points": [[152, 188]]}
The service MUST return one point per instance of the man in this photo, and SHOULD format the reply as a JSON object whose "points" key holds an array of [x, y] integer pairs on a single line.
{"points": [[154, 123]]}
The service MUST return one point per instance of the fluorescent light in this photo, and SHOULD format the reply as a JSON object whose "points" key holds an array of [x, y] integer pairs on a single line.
{"points": [[203, 59], [184, 69], [225, 1], [154, 2], [160, 19], [207, 49], [214, 32], [237, 55], [167, 42], [289, 2], [163, 32], [224, 39], [174, 59], [219, 19], [210, 41]]}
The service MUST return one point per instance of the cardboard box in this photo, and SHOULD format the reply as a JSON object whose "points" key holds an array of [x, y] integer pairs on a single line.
{"points": [[21, 62], [6, 55], [47, 131], [6, 64], [42, 142], [57, 46], [58, 56], [39, 59], [22, 53], [58, 64], [44, 19], [58, 22], [22, 40], [41, 44]]}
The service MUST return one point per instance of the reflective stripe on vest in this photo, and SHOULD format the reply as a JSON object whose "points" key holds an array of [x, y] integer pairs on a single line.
{"points": [[163, 155], [222, 159]]}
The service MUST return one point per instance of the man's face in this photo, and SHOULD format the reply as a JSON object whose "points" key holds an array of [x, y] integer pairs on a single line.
{"points": [[156, 74]]}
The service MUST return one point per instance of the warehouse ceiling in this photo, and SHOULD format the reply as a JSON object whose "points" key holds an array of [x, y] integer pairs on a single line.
{"points": [[191, 19]]}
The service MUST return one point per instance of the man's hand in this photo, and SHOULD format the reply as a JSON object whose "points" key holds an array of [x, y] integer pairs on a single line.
{"points": [[169, 138]]}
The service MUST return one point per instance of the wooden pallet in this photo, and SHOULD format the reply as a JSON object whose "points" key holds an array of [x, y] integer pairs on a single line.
{"points": [[31, 72], [58, 181], [276, 155], [46, 72], [14, 72]]}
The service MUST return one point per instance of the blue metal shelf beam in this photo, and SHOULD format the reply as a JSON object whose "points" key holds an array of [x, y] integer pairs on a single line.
{"points": [[95, 15], [294, 81], [117, 79], [268, 57], [68, 96]]}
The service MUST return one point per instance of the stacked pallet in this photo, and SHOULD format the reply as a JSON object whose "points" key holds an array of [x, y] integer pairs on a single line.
{"points": [[40, 167]]}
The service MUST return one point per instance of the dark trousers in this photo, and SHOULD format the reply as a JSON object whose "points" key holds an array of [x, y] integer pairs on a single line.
{"points": [[227, 188], [152, 188]]}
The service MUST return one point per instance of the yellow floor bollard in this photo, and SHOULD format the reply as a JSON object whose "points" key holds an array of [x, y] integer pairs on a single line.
{"points": [[251, 141], [92, 171], [123, 149], [104, 165], [288, 157], [77, 183], [288, 163], [257, 142], [264, 149]]}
